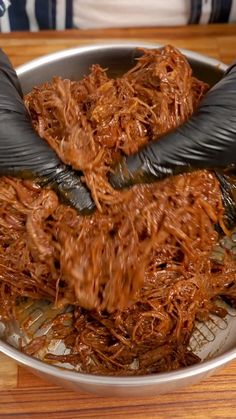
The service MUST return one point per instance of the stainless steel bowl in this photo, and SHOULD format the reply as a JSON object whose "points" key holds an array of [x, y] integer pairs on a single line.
{"points": [[214, 341]]}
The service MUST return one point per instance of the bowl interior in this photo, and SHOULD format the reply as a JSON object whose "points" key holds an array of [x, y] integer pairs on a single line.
{"points": [[74, 64]]}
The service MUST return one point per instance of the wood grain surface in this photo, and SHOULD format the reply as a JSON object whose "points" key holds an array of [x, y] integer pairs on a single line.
{"points": [[22, 394], [218, 41]]}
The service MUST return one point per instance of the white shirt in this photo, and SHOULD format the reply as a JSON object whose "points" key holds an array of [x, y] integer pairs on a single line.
{"points": [[125, 13]]}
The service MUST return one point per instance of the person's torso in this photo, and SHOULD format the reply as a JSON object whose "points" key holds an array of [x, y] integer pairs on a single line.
{"points": [[35, 15]]}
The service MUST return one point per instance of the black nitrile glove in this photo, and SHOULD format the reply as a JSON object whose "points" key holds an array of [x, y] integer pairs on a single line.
{"points": [[24, 154], [207, 140]]}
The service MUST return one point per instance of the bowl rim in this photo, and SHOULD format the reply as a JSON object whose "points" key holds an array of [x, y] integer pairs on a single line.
{"points": [[120, 381], [116, 381], [45, 59]]}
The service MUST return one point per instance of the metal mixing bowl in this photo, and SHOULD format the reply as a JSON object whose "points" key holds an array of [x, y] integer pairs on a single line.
{"points": [[214, 341]]}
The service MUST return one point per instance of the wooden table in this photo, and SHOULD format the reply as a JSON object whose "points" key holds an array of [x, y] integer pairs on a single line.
{"points": [[22, 394]]}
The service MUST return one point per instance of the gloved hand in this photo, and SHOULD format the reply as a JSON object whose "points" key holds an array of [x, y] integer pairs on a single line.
{"points": [[24, 154], [207, 140]]}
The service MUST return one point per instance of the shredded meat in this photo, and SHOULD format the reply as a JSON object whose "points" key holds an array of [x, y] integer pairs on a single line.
{"points": [[138, 271]]}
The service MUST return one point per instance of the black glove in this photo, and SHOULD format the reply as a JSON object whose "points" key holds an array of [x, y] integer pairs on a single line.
{"points": [[24, 154], [207, 140]]}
